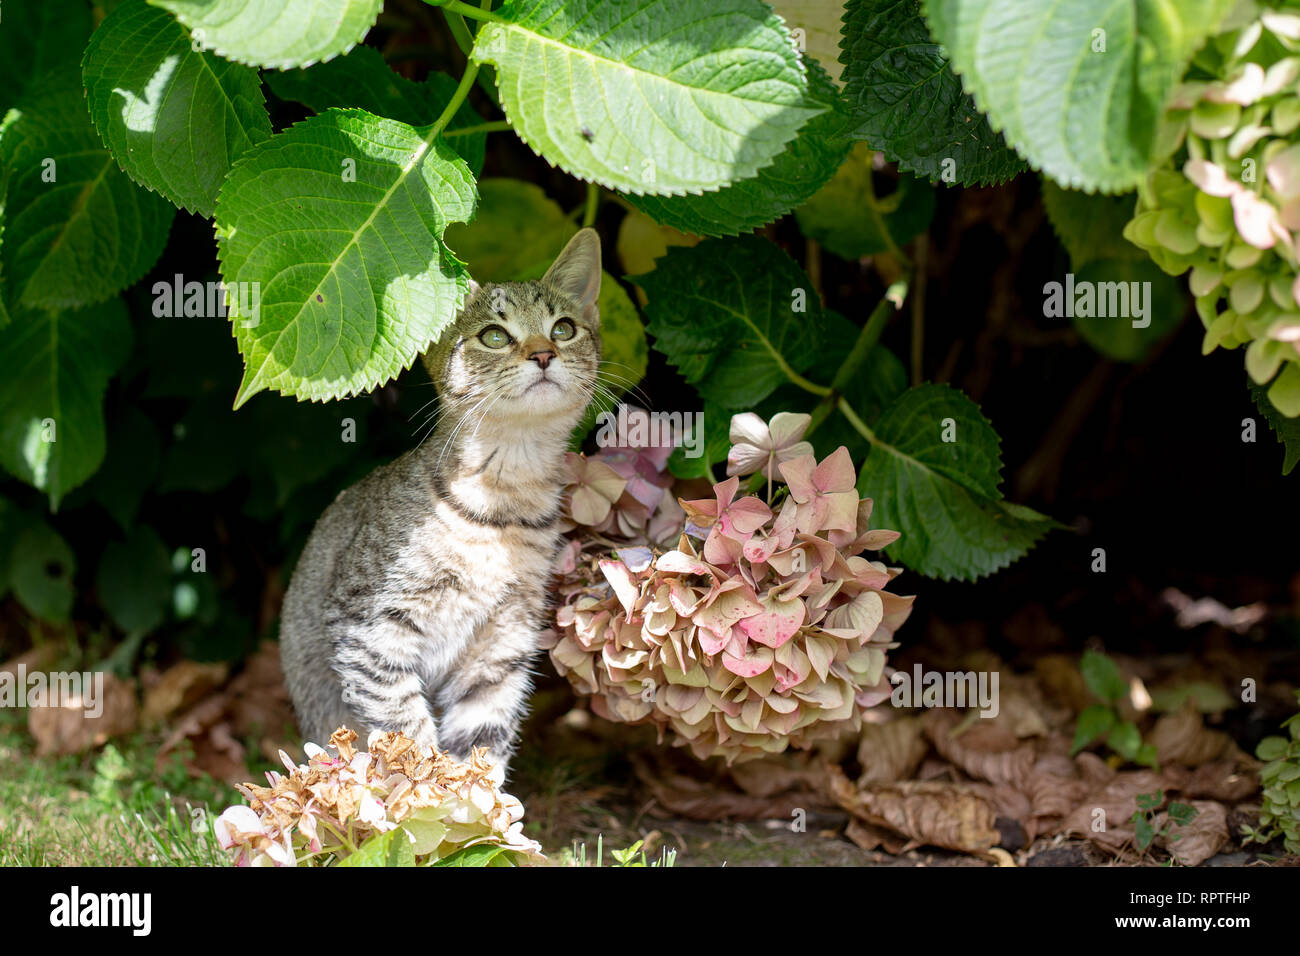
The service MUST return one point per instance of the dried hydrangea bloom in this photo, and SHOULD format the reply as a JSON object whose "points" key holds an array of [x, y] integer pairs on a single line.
{"points": [[331, 805], [760, 630]]}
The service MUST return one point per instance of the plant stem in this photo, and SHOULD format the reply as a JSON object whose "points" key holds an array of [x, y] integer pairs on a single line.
{"points": [[918, 310], [456, 24], [465, 10], [866, 340], [593, 203], [858, 424], [496, 126], [807, 384], [457, 98]]}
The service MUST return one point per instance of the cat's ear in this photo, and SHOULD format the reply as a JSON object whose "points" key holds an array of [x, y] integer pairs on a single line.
{"points": [[576, 270]]}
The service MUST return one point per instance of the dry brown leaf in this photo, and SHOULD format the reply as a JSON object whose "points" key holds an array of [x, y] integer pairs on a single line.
{"points": [[38, 658], [1201, 838], [779, 773], [179, 687], [870, 838], [254, 703], [1183, 738], [698, 799], [68, 730], [891, 751], [939, 814], [1117, 802], [982, 750], [1229, 781]]}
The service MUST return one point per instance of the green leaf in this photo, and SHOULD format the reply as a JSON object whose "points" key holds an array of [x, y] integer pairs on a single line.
{"points": [[1114, 282], [1144, 832], [716, 425], [78, 231], [299, 442], [1090, 227], [849, 219], [129, 468], [1182, 813], [1271, 748], [517, 231], [649, 96], [907, 103], [815, 25], [363, 80], [134, 580], [480, 854], [1102, 676], [805, 165], [723, 313], [1286, 429], [391, 848], [175, 120], [1094, 722], [57, 366], [942, 495], [276, 33], [39, 37], [40, 571], [1125, 740], [1086, 118], [350, 302]]}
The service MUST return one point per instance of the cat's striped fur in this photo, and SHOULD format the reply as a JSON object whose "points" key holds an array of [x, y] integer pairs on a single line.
{"points": [[417, 602]]}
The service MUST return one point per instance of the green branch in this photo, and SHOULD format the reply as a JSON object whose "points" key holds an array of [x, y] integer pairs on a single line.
{"points": [[496, 126], [465, 10]]}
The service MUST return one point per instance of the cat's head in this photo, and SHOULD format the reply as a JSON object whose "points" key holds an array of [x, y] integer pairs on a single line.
{"points": [[526, 350]]}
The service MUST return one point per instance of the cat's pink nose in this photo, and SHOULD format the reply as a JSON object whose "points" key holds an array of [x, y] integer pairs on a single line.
{"points": [[542, 357]]}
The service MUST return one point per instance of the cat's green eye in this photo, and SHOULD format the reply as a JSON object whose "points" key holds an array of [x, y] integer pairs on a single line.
{"points": [[494, 337], [563, 330]]}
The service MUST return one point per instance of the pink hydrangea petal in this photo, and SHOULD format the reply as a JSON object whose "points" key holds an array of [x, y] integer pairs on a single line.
{"points": [[779, 621], [836, 473], [798, 474]]}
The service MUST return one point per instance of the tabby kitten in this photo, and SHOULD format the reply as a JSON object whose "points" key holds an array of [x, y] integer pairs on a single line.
{"points": [[418, 601]]}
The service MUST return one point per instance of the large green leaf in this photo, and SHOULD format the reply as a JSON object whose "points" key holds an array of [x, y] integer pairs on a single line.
{"points": [[39, 37], [1076, 86], [908, 104], [815, 25], [848, 218], [1165, 303], [337, 225], [41, 566], [943, 495], [649, 96], [517, 231], [56, 368], [724, 313], [134, 580], [802, 168], [78, 231], [276, 33], [1090, 227], [363, 80], [175, 119], [1287, 429]]}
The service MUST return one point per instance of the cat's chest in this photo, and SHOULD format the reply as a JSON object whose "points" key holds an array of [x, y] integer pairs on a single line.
{"points": [[485, 558]]}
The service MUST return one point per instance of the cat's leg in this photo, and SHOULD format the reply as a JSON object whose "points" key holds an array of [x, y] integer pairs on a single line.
{"points": [[380, 668], [483, 700]]}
